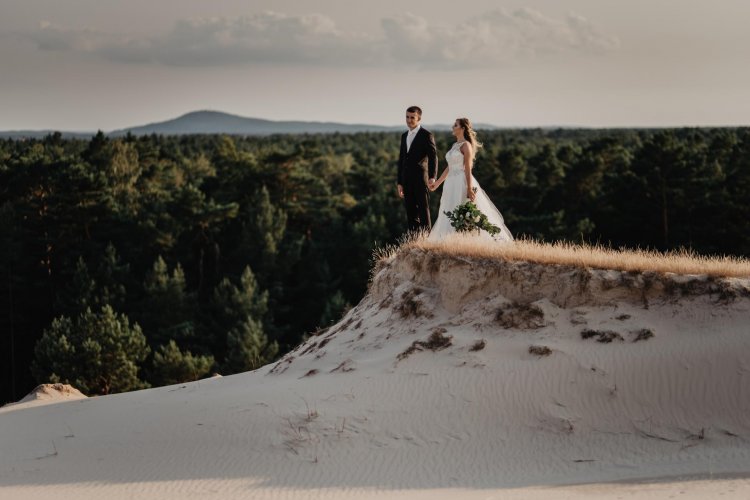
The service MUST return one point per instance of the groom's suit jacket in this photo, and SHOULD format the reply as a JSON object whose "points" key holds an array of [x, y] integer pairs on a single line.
{"points": [[419, 163]]}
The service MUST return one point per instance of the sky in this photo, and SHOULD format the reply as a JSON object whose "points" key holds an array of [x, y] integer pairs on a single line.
{"points": [[83, 65]]}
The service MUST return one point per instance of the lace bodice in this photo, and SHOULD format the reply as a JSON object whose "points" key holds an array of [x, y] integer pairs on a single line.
{"points": [[455, 159]]}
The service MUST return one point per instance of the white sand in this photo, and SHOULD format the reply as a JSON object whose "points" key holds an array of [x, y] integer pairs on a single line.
{"points": [[48, 394], [341, 417]]}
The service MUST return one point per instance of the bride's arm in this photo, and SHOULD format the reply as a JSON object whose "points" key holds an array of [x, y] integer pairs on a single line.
{"points": [[468, 153], [441, 179]]}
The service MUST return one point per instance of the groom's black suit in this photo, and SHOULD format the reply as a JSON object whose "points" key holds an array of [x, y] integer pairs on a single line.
{"points": [[415, 168]]}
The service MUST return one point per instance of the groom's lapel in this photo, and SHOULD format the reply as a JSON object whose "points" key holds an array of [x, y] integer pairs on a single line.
{"points": [[421, 134]]}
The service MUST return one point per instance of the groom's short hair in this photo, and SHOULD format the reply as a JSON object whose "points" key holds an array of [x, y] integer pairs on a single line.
{"points": [[414, 109]]}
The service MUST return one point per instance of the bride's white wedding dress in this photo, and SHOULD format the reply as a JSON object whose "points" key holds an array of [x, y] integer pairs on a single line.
{"points": [[454, 194]]}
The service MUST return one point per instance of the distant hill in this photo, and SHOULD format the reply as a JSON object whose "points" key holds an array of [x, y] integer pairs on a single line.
{"points": [[216, 122]]}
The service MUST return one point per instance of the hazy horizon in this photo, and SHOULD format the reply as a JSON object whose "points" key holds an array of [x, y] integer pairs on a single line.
{"points": [[83, 65], [479, 125]]}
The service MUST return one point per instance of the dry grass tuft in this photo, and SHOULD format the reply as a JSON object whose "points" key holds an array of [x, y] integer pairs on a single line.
{"points": [[435, 342], [344, 367], [521, 316], [411, 306], [478, 345], [381, 255], [643, 334], [584, 256], [312, 347], [603, 336], [540, 350]]}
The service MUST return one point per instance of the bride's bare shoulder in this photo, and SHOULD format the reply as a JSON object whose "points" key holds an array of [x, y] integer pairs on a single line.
{"points": [[466, 147]]}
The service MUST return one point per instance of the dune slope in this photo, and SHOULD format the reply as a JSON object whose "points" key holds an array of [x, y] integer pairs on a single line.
{"points": [[455, 377]]}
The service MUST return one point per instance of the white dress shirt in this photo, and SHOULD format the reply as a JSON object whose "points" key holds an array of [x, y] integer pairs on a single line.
{"points": [[410, 136]]}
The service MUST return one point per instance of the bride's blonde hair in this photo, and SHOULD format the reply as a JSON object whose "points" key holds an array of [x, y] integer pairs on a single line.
{"points": [[469, 133]]}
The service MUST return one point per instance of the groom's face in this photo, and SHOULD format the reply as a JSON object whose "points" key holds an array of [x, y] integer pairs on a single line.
{"points": [[412, 119]]}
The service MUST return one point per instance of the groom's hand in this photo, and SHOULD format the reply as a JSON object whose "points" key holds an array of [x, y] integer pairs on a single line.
{"points": [[431, 183], [400, 191]]}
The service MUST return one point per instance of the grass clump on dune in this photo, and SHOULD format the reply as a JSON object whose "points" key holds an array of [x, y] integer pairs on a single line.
{"points": [[587, 256]]}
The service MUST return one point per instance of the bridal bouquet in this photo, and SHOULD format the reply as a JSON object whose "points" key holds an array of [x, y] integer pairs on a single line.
{"points": [[467, 217]]}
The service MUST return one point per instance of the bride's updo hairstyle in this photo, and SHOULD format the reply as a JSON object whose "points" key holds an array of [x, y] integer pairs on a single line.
{"points": [[469, 133]]}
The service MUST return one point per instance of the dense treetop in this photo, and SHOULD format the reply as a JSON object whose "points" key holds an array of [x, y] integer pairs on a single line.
{"points": [[168, 258]]}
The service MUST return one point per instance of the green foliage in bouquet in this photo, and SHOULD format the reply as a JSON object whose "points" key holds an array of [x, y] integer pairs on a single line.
{"points": [[467, 217]]}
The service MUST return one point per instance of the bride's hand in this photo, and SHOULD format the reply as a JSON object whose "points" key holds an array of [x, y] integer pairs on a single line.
{"points": [[471, 195]]}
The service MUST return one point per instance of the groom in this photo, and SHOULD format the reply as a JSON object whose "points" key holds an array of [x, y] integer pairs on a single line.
{"points": [[417, 169]]}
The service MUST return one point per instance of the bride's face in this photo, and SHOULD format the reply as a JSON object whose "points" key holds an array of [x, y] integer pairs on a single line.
{"points": [[458, 132]]}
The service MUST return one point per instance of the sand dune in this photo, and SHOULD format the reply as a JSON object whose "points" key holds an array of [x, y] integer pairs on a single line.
{"points": [[455, 377]]}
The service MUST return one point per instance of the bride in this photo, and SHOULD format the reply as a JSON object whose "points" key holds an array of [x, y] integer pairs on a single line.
{"points": [[460, 185]]}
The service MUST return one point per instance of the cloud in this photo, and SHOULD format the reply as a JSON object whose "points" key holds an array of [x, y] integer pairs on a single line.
{"points": [[266, 38], [52, 37], [269, 38], [494, 38]]}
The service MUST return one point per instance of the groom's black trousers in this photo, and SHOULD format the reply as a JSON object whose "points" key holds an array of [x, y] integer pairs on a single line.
{"points": [[417, 201]]}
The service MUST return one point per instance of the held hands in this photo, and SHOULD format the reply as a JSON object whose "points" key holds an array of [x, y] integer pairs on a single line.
{"points": [[431, 185]]}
